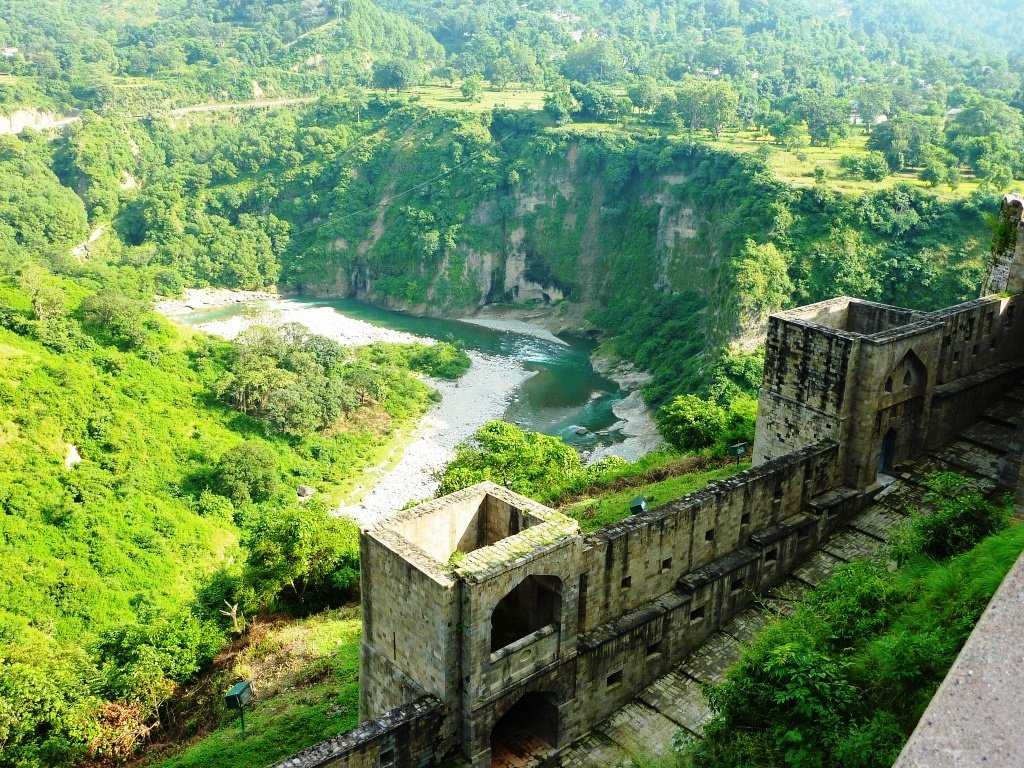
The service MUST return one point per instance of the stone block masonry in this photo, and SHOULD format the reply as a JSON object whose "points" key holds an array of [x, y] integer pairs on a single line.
{"points": [[495, 632]]}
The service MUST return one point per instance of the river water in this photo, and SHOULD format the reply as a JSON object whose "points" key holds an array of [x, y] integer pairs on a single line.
{"points": [[565, 396]]}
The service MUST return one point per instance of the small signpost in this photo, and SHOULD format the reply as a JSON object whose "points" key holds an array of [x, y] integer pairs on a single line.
{"points": [[737, 451], [238, 698]]}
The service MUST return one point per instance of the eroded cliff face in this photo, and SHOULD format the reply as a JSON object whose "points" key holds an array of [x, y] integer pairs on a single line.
{"points": [[36, 119], [566, 238]]}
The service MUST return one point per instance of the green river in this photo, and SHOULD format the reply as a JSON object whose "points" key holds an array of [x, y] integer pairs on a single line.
{"points": [[565, 395]]}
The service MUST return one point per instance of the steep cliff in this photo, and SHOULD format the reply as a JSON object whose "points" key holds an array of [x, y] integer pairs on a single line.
{"points": [[675, 249]]}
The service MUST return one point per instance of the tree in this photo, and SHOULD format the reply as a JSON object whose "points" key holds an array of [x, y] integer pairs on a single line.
{"points": [[706, 103], [396, 73], [357, 100], [472, 88], [827, 117], [247, 473], [645, 95], [873, 101], [48, 300], [526, 462], [501, 73], [561, 105], [690, 422], [121, 318], [303, 554]]}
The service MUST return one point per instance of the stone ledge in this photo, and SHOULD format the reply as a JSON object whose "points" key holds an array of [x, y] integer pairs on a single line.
{"points": [[359, 738], [974, 717]]}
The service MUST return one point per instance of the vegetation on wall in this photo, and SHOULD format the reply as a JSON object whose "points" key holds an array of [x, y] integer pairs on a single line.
{"points": [[844, 681]]}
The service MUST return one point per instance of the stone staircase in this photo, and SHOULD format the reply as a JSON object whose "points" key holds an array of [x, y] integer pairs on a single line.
{"points": [[674, 707]]}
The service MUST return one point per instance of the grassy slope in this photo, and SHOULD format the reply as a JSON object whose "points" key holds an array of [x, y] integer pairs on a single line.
{"points": [[306, 677], [306, 673], [605, 509]]}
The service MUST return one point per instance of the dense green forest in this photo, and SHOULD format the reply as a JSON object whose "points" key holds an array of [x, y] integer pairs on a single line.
{"points": [[661, 175]]}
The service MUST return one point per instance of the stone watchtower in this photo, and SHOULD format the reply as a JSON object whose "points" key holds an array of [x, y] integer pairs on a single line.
{"points": [[472, 599], [886, 382]]}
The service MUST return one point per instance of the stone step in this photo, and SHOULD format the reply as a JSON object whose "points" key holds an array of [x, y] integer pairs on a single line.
{"points": [[595, 750], [639, 729], [878, 521], [679, 697], [851, 544], [709, 663], [971, 458], [1009, 412], [1016, 392], [746, 625], [816, 568], [991, 435]]}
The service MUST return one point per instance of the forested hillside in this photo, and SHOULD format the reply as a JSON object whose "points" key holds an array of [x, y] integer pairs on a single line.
{"points": [[658, 175]]}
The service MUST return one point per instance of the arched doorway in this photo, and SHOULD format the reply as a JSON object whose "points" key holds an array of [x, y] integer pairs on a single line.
{"points": [[887, 454], [526, 733], [536, 602]]}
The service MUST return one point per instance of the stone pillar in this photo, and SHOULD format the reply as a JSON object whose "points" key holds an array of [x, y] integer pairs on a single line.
{"points": [[1006, 270]]}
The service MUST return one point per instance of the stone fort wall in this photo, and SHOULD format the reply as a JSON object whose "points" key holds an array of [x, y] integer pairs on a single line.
{"points": [[484, 607]]}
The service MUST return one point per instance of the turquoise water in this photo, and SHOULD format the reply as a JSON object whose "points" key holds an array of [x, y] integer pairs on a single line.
{"points": [[565, 393]]}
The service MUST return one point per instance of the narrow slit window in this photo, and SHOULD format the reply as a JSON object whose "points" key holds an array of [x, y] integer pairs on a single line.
{"points": [[666, 565], [737, 585], [709, 535], [387, 758], [697, 614], [745, 518], [615, 678], [627, 582], [654, 648], [771, 555]]}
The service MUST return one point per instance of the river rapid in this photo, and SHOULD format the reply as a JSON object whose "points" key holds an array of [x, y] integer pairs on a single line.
{"points": [[520, 372]]}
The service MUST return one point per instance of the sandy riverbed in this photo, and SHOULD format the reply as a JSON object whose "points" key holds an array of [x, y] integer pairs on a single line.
{"points": [[482, 394]]}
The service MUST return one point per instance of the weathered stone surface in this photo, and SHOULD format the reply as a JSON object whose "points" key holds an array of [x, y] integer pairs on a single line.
{"points": [[524, 634]]}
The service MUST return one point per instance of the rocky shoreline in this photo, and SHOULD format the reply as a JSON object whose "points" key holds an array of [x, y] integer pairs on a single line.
{"points": [[636, 421], [482, 394]]}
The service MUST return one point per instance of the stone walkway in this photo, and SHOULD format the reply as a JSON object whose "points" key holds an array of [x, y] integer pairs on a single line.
{"points": [[673, 707]]}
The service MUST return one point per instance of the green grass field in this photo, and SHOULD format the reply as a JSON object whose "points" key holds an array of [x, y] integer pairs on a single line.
{"points": [[450, 97], [796, 166]]}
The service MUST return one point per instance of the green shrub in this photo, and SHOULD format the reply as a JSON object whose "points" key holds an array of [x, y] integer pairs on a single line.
{"points": [[961, 518]]}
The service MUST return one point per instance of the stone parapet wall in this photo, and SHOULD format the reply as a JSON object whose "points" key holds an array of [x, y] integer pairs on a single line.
{"points": [[407, 736], [627, 653], [638, 559]]}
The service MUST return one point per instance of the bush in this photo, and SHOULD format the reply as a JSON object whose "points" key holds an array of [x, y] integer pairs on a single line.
{"points": [[526, 462], [962, 518], [302, 556]]}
